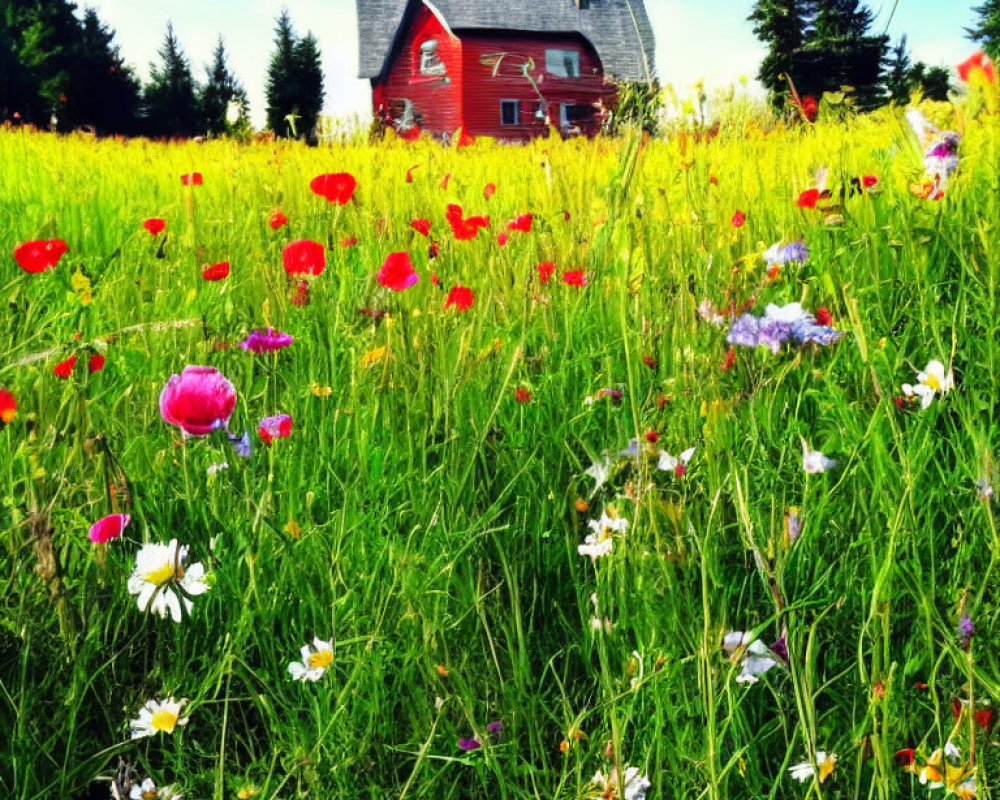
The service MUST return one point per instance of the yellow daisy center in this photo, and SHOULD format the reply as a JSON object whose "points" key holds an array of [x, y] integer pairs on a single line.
{"points": [[164, 720], [321, 658], [160, 575], [932, 382]]}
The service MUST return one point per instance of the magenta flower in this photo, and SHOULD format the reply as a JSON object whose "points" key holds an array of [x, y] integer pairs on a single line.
{"points": [[276, 427], [108, 528], [469, 744], [267, 341], [198, 401]]}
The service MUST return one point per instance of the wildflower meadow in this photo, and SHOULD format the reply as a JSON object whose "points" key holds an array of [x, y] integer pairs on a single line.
{"points": [[611, 468]]}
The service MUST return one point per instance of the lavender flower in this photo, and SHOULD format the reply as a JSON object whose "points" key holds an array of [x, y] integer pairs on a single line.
{"points": [[811, 333], [495, 727], [794, 252], [240, 443], [965, 627], [745, 331], [267, 341], [781, 324]]}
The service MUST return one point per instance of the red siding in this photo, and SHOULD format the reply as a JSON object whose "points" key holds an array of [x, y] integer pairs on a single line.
{"points": [[436, 99], [484, 91]]}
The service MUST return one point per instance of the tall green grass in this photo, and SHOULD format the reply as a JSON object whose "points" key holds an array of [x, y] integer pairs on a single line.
{"points": [[438, 515]]}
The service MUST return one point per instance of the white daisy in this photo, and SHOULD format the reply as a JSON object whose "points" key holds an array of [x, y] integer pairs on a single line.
{"points": [[149, 791], [162, 582], [600, 542], [813, 461], [158, 716], [929, 382], [315, 661]]}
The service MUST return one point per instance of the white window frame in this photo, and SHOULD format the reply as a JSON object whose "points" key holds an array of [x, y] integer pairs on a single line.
{"points": [[556, 63], [517, 113]]}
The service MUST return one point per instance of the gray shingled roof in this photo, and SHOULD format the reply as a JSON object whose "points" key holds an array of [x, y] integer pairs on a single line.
{"points": [[618, 29]]}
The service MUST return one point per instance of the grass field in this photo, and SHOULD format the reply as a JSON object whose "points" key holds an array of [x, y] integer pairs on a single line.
{"points": [[426, 511]]}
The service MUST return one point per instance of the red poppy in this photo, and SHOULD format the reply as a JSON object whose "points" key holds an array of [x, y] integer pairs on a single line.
{"points": [[435, 279], [650, 362], [920, 687], [739, 218], [773, 273], [304, 257], [713, 180], [464, 229], [155, 226], [445, 181], [216, 272], [337, 187], [823, 316], [465, 139], [545, 270], [64, 368], [809, 198], [566, 216], [489, 190], [192, 179], [977, 62], [502, 238], [652, 437], [421, 226], [411, 134], [729, 360], [460, 297], [522, 395], [8, 406], [433, 251], [905, 756], [108, 528], [40, 255], [576, 277], [409, 173], [349, 241], [96, 363], [397, 272], [520, 223], [869, 181], [810, 108], [198, 401], [277, 220]]}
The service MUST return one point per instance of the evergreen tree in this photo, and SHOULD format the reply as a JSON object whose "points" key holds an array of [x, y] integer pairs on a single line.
{"points": [[17, 87], [103, 92], [898, 78], [221, 89], [933, 82], [281, 88], [840, 51], [987, 29], [309, 83], [171, 106], [779, 24]]}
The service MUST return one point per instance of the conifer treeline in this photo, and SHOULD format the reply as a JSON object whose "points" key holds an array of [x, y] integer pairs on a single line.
{"points": [[60, 67]]}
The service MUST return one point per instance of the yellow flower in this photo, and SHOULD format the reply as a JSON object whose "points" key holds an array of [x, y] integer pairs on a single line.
{"points": [[373, 357], [320, 391], [292, 529]]}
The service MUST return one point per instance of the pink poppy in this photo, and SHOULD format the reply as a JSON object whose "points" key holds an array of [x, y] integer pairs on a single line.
{"points": [[397, 272], [337, 187], [198, 401], [304, 257], [108, 528]]}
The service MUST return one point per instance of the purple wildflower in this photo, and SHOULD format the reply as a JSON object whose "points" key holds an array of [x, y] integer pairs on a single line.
{"points": [[965, 627], [794, 252], [469, 744], [495, 727], [240, 443], [267, 341], [780, 648], [774, 333], [745, 332], [808, 332]]}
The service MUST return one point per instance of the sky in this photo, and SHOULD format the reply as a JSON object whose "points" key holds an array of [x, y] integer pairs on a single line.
{"points": [[695, 39]]}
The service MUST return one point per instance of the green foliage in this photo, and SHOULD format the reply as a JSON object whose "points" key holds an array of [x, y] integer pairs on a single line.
{"points": [[171, 107], [637, 106], [779, 24], [986, 31], [933, 82], [898, 79]]}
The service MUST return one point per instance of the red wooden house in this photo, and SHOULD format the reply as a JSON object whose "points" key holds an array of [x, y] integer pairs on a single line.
{"points": [[502, 68]]}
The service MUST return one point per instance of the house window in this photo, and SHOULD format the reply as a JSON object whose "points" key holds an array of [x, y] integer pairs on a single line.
{"points": [[430, 61], [562, 63], [510, 112]]}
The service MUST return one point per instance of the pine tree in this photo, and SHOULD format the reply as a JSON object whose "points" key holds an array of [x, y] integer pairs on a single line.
{"points": [[103, 92], [221, 89], [282, 91], [780, 24], [933, 82], [171, 106], [841, 52], [17, 87], [987, 29], [309, 82], [898, 79]]}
